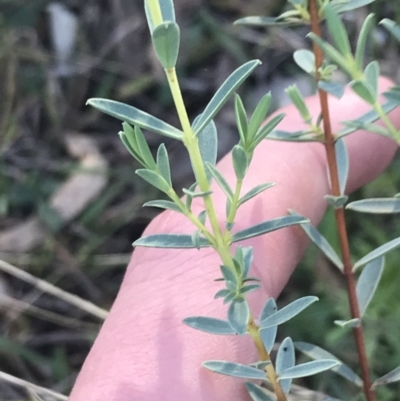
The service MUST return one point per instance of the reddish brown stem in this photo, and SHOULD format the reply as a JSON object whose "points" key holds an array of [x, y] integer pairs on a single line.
{"points": [[339, 212]]}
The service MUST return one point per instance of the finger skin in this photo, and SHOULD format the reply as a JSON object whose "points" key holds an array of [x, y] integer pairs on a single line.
{"points": [[143, 351]]}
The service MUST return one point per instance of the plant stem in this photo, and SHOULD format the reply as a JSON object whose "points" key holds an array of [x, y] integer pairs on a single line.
{"points": [[254, 332], [339, 212]]}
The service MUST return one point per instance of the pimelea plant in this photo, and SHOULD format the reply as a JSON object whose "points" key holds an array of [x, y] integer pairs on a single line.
{"points": [[200, 139]]}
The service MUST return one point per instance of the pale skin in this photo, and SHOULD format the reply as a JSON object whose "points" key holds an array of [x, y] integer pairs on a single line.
{"points": [[143, 351]]}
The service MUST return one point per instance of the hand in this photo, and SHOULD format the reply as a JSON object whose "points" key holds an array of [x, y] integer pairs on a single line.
{"points": [[144, 352]]}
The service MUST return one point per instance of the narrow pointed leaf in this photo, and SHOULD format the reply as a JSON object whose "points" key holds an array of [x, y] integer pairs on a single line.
{"points": [[268, 335], [200, 194], [308, 369], [333, 88], [391, 27], [248, 255], [154, 179], [134, 116], [315, 352], [234, 369], [320, 242], [257, 393], [391, 377], [163, 164], [288, 312], [220, 179], [380, 251], [372, 73], [367, 118], [298, 136], [362, 40], [128, 146], [377, 205], [143, 149], [209, 325], [238, 315], [267, 129], [208, 143], [255, 191], [268, 226], [169, 241], [163, 204], [349, 5], [259, 114], [230, 278], [368, 282], [241, 119], [240, 161], [196, 239], [305, 59], [266, 21], [342, 159], [393, 95], [331, 53], [337, 30], [299, 102], [223, 94], [166, 39], [285, 359]]}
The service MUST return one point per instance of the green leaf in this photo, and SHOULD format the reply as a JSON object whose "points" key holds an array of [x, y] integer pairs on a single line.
{"points": [[143, 148], [234, 369], [255, 191], [393, 95], [364, 90], [230, 278], [219, 178], [337, 30], [134, 116], [298, 136], [249, 288], [196, 239], [208, 144], [163, 204], [169, 241], [352, 323], [342, 6], [266, 21], [342, 160], [154, 179], [239, 315], [391, 377], [163, 164], [209, 325], [240, 161], [308, 369], [298, 100], [166, 39], [305, 59], [222, 294], [288, 312], [189, 197], [248, 255], [285, 359], [366, 28], [332, 53], [320, 242], [257, 393], [367, 118], [377, 205], [315, 352], [268, 335], [376, 253], [128, 146], [223, 94], [241, 119], [267, 226], [167, 12], [333, 88], [266, 130], [391, 27], [368, 282], [259, 115], [200, 194], [374, 128], [372, 73]]}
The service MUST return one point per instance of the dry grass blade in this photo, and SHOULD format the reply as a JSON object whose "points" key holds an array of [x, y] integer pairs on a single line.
{"points": [[32, 387], [44, 286]]}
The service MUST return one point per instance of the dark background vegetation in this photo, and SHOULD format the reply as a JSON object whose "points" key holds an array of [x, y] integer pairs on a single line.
{"points": [[79, 236]]}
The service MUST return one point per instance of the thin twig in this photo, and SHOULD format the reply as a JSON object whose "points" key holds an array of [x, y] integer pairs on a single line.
{"points": [[339, 212], [44, 286]]}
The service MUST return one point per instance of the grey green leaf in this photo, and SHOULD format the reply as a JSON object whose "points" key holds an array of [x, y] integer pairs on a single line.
{"points": [[257, 393], [166, 39], [308, 369], [154, 179], [234, 369], [391, 377], [169, 241], [285, 359], [209, 325], [238, 315], [377, 205]]}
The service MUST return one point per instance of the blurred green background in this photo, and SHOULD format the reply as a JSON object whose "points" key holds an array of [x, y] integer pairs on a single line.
{"points": [[70, 203]]}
